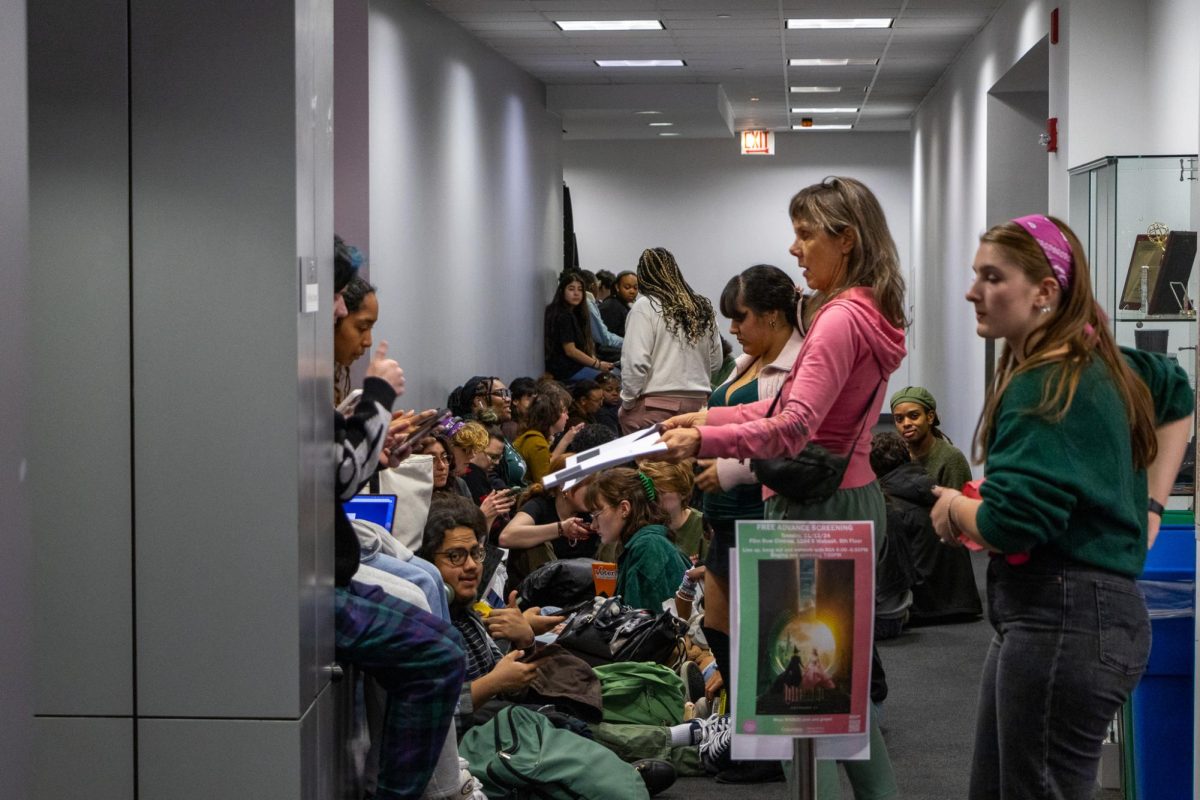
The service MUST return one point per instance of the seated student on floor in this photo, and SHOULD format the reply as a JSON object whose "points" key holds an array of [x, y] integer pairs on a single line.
{"points": [[549, 524], [624, 504], [546, 419], [674, 484], [610, 407], [586, 399], [569, 350], [454, 541], [523, 391]]}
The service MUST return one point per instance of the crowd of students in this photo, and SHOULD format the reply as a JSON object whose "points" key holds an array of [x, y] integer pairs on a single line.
{"points": [[626, 351]]}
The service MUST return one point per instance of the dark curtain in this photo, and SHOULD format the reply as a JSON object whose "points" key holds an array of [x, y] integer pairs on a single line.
{"points": [[570, 249]]}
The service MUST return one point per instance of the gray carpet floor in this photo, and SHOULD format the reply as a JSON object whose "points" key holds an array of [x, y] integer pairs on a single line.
{"points": [[928, 719]]}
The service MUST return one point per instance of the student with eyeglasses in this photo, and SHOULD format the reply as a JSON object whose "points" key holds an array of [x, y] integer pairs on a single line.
{"points": [[488, 401], [453, 541]]}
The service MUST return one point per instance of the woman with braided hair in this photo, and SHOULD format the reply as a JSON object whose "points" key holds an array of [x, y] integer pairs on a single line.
{"points": [[671, 346]]}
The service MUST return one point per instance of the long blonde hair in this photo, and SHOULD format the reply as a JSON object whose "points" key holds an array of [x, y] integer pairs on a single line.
{"points": [[839, 204], [1074, 334]]}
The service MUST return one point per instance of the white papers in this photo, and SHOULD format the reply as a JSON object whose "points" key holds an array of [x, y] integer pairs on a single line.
{"points": [[619, 451]]}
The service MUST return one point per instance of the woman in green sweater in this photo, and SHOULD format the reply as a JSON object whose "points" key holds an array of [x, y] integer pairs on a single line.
{"points": [[625, 509], [1081, 443]]}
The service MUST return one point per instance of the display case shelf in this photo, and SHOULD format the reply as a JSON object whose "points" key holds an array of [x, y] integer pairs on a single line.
{"points": [[1121, 207]]}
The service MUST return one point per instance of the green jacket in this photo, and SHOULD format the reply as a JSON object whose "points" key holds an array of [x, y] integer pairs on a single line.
{"points": [[1070, 485], [650, 569]]}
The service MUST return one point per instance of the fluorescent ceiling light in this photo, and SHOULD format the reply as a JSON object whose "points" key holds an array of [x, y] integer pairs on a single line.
{"points": [[823, 89], [847, 110], [610, 25], [828, 24], [832, 62], [668, 134], [822, 127], [647, 112], [661, 124], [647, 62]]}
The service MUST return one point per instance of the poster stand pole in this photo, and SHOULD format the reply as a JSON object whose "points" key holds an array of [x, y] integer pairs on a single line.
{"points": [[803, 783]]}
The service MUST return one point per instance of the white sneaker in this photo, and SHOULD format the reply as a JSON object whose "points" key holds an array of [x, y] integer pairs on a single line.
{"points": [[471, 789]]}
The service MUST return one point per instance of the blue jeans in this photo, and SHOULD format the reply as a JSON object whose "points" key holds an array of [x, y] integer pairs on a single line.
{"points": [[1071, 643], [584, 374]]}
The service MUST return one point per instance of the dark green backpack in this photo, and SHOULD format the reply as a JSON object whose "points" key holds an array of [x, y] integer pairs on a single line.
{"points": [[641, 693], [520, 755]]}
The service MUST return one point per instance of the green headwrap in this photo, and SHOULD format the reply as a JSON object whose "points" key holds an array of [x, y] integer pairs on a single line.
{"points": [[914, 394]]}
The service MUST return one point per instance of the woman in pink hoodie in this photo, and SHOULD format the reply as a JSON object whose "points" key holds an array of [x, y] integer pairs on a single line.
{"points": [[834, 392]]}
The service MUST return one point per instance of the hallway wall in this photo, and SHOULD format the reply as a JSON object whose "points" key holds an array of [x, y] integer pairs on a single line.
{"points": [[465, 203]]}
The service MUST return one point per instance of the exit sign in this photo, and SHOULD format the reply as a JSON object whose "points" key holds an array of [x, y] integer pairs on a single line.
{"points": [[758, 143]]}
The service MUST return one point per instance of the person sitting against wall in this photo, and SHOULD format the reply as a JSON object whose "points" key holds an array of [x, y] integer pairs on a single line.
{"points": [[946, 588], [672, 346], [615, 309], [547, 418], [523, 391], [487, 400], [610, 384], [352, 333], [416, 657], [455, 533], [624, 506], [569, 349], [608, 344], [606, 285], [549, 522]]}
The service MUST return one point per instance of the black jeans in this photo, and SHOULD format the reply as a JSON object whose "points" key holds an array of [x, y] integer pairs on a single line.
{"points": [[1071, 643]]}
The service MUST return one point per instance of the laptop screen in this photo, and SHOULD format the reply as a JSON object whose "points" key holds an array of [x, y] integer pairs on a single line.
{"points": [[377, 508]]}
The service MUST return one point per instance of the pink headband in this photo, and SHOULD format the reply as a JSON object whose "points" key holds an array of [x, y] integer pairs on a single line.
{"points": [[1053, 243]]}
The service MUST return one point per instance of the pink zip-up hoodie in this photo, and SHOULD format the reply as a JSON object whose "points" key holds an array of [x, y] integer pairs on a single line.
{"points": [[832, 395]]}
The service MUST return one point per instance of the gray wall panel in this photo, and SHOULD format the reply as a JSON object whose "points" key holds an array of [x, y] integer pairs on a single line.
{"points": [[83, 758], [16, 554], [79, 334], [182, 759], [216, 299]]}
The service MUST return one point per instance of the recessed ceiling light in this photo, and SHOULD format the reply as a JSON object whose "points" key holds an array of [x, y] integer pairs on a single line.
{"points": [[724, 16], [825, 24], [661, 124], [832, 62], [816, 88], [646, 62], [846, 110], [822, 127], [609, 25], [647, 112], [668, 134], [753, 99]]}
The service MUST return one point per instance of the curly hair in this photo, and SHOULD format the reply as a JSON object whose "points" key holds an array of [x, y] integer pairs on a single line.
{"points": [[471, 437], [888, 451], [688, 315], [447, 512]]}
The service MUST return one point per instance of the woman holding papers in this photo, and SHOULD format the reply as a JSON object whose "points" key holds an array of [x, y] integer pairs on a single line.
{"points": [[846, 252]]}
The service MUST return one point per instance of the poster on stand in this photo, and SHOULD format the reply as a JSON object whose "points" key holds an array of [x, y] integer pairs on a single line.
{"points": [[804, 609]]}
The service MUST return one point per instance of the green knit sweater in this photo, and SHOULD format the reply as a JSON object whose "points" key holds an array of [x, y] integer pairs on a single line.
{"points": [[650, 569], [1070, 485]]}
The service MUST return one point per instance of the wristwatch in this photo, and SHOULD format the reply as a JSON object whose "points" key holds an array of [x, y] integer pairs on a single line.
{"points": [[1155, 507]]}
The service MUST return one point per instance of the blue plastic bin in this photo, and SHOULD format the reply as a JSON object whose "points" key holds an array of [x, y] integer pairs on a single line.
{"points": [[1162, 701]]}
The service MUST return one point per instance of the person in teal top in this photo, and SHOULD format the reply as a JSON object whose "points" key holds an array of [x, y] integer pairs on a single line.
{"points": [[1081, 442], [624, 509]]}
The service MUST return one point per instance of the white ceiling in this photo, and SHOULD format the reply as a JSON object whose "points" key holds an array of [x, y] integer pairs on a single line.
{"points": [[730, 60]]}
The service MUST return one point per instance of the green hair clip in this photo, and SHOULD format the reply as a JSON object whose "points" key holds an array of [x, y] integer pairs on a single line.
{"points": [[648, 485]]}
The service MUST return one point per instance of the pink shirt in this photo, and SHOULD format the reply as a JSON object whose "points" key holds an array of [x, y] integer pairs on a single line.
{"points": [[831, 396]]}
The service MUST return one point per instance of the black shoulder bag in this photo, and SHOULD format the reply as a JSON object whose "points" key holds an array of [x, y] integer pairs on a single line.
{"points": [[812, 475]]}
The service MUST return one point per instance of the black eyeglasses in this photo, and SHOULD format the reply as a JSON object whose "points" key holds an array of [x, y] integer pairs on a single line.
{"points": [[458, 556], [503, 394]]}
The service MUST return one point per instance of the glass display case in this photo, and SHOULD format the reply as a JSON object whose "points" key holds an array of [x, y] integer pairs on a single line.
{"points": [[1136, 218]]}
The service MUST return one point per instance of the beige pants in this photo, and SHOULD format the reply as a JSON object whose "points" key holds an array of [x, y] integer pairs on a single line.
{"points": [[651, 408]]}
